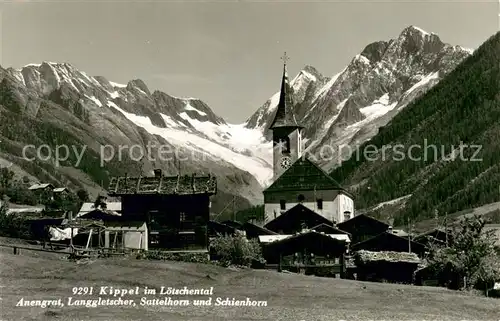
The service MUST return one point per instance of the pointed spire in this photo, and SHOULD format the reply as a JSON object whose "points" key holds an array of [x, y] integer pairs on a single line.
{"points": [[284, 112]]}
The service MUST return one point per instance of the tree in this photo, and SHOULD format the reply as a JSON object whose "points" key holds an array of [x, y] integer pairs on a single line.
{"points": [[469, 258], [100, 202], [83, 195], [12, 225], [6, 177], [236, 250]]}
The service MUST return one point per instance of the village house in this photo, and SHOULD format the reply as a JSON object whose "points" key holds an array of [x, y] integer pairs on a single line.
{"points": [[121, 234], [43, 192], [60, 191], [175, 208], [41, 187], [387, 241], [252, 231], [308, 251], [363, 227], [219, 229], [91, 206], [296, 219], [434, 237], [296, 179]]}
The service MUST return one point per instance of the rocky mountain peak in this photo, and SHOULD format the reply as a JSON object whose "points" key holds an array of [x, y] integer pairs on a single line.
{"points": [[375, 50], [313, 71], [414, 39], [139, 84]]}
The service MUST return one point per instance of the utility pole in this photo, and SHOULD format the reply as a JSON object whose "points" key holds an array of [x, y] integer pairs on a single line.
{"points": [[446, 227], [234, 212], [409, 235]]}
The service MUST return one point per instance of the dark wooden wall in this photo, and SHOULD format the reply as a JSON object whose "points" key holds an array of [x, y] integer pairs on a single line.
{"points": [[163, 214]]}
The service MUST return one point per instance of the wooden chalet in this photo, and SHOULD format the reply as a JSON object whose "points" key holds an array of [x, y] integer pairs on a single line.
{"points": [[363, 227], [329, 229], [386, 266], [233, 224], [296, 219], [43, 192], [101, 214], [91, 206], [436, 236], [387, 241], [47, 187], [126, 235], [308, 250], [175, 208], [218, 229], [60, 192], [253, 231]]}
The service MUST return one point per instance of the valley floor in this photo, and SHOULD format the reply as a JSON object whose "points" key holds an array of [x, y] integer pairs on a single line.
{"points": [[290, 297]]}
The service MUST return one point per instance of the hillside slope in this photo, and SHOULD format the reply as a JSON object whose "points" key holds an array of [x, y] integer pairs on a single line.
{"points": [[53, 106], [288, 296], [460, 113]]}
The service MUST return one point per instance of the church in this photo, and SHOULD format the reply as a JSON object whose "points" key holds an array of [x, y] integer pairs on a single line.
{"points": [[296, 179]]}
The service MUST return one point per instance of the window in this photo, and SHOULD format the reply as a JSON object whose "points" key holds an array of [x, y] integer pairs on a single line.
{"points": [[347, 215], [282, 205], [319, 204], [301, 198], [182, 216], [284, 144], [286, 148]]}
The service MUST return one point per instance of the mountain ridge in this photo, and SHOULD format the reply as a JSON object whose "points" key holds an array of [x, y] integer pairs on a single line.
{"points": [[103, 112], [351, 105], [460, 169]]}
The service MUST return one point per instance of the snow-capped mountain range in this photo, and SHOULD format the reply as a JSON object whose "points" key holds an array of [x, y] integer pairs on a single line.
{"points": [[347, 108]]}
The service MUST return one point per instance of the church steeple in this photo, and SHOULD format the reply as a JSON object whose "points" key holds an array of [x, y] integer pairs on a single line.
{"points": [[287, 132], [284, 116]]}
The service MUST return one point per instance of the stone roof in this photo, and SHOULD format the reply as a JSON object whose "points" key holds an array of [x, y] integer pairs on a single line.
{"points": [[304, 175], [167, 185], [387, 256]]}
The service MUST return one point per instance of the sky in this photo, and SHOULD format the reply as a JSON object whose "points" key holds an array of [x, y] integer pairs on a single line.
{"points": [[227, 53]]}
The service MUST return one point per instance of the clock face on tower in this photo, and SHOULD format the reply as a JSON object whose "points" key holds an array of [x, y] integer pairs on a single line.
{"points": [[285, 162]]}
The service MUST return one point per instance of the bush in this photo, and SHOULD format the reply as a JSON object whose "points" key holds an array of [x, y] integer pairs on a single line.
{"points": [[175, 256], [470, 260], [12, 225], [236, 250]]}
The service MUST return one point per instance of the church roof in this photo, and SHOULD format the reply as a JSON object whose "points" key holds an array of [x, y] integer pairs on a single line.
{"points": [[166, 185], [294, 217], [284, 116], [304, 175]]}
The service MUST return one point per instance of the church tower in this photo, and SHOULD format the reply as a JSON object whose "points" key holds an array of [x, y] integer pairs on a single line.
{"points": [[287, 133]]}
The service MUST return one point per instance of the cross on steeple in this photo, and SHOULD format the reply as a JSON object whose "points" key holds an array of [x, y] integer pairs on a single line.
{"points": [[285, 58]]}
